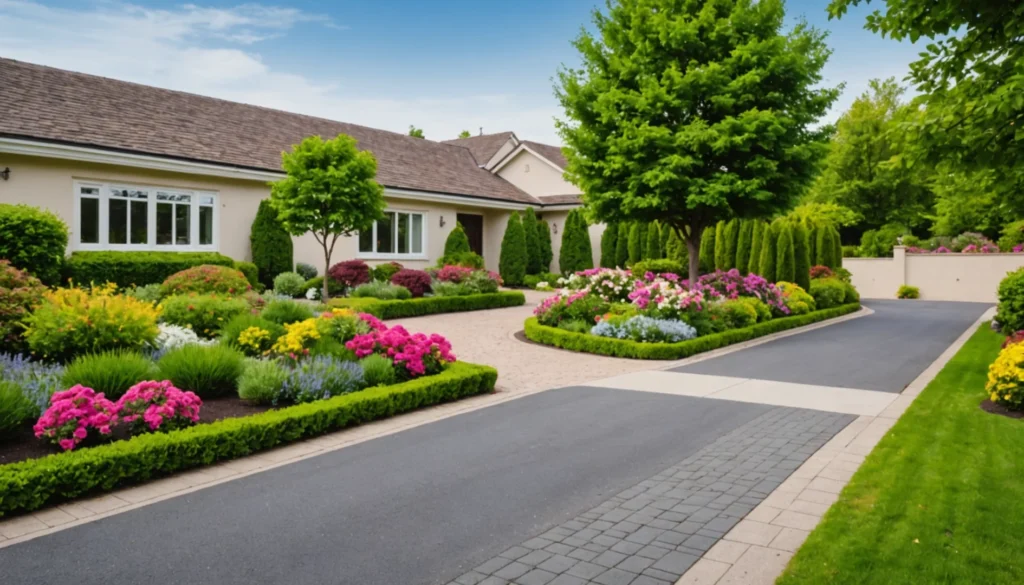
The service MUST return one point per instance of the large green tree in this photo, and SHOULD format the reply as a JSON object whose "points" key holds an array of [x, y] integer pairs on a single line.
{"points": [[668, 117], [866, 170], [970, 80], [270, 244], [329, 190]]}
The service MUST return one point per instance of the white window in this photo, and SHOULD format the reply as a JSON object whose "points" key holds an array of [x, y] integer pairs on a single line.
{"points": [[401, 234], [114, 216]]}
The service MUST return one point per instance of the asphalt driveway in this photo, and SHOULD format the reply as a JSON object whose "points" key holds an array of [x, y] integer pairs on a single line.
{"points": [[884, 351]]}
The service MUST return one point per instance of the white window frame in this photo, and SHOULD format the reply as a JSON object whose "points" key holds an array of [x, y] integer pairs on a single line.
{"points": [[395, 255], [151, 207]]}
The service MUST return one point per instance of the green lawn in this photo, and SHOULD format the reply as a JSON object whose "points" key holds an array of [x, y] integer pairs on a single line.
{"points": [[940, 500]]}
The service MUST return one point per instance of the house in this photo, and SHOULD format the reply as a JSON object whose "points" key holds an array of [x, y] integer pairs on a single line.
{"points": [[133, 167]]}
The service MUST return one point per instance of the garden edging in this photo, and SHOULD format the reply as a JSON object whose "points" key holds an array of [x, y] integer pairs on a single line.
{"points": [[587, 343], [30, 485], [417, 307]]}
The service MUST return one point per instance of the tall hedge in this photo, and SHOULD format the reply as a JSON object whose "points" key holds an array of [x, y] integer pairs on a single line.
{"points": [[512, 262], [270, 244], [33, 240], [706, 260], [768, 253], [721, 247], [576, 253], [652, 250], [801, 256], [622, 246], [136, 268], [546, 252], [756, 233], [532, 242], [746, 232], [457, 241], [785, 263], [609, 240], [636, 245]]}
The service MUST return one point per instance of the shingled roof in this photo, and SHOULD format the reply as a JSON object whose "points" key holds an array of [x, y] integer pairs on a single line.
{"points": [[55, 105], [483, 146], [552, 153]]}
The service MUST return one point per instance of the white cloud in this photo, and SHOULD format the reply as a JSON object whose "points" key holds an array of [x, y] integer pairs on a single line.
{"points": [[211, 51]]}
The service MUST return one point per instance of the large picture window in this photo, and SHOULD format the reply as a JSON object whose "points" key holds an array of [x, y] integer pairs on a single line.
{"points": [[127, 217], [400, 234]]}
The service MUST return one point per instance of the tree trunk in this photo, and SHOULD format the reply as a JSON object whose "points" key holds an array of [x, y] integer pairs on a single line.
{"points": [[693, 249]]}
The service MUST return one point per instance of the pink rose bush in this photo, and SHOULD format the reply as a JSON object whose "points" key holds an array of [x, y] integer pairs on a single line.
{"points": [[153, 406], [414, 354], [74, 415]]}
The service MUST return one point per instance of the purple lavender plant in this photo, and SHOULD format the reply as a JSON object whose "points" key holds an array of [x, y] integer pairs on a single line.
{"points": [[37, 380]]}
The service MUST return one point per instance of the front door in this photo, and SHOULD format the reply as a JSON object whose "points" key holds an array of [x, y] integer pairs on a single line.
{"points": [[473, 225]]}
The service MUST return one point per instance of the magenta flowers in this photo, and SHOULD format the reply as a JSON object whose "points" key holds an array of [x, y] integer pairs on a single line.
{"points": [[420, 354], [157, 406], [74, 415]]}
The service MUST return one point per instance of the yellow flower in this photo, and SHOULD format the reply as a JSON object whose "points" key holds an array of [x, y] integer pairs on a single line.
{"points": [[296, 337], [254, 337]]}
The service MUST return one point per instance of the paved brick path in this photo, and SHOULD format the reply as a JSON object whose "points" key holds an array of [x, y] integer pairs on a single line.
{"points": [[652, 533]]}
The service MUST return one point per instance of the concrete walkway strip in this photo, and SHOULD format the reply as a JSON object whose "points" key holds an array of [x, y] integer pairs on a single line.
{"points": [[825, 398]]}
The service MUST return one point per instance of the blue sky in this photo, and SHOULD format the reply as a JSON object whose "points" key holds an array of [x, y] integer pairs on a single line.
{"points": [[443, 65]]}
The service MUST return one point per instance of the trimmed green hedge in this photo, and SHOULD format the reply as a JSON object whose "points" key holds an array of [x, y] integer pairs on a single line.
{"points": [[395, 309], [30, 485], [136, 268], [671, 351]]}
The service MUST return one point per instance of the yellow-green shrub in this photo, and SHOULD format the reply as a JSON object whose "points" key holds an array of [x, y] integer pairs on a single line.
{"points": [[70, 321], [797, 300], [738, 314], [1006, 377]]}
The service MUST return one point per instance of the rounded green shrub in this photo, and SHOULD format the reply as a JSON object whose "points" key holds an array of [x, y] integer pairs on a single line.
{"points": [[261, 381], [796, 299], [658, 267], [204, 314], [763, 311], [381, 290], [512, 261], [16, 410], [206, 279], [211, 371], [290, 284], [384, 272], [33, 239], [20, 292], [272, 249], [912, 292], [828, 292], [307, 271], [464, 259], [110, 372], [378, 370], [457, 242], [250, 271], [738, 314], [231, 334], [316, 283], [284, 312]]}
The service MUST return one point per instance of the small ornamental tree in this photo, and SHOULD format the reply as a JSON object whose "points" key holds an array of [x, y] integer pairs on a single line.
{"points": [[707, 251], [622, 245], [609, 239], [636, 245], [532, 242], [329, 190], [544, 237], [270, 244], [652, 251], [768, 253], [457, 241], [743, 246], [512, 262], [668, 118], [801, 256], [785, 263], [756, 233]]}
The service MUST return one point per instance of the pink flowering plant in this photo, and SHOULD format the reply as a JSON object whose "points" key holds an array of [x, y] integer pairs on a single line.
{"points": [[454, 274], [414, 354], [74, 415], [158, 406], [570, 305]]}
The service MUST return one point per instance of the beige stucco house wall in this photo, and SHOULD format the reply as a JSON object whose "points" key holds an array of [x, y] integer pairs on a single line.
{"points": [[535, 175]]}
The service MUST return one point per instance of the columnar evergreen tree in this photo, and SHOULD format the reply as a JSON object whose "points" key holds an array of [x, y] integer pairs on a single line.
{"points": [[676, 78], [768, 253], [707, 251], [586, 249], [643, 239], [801, 256], [622, 245], [732, 239], [652, 251], [666, 234], [575, 253], [533, 263], [756, 234], [785, 263], [675, 248], [609, 240], [636, 245], [812, 244], [721, 246], [512, 262], [823, 248], [457, 242], [544, 237], [837, 248], [743, 245], [270, 244]]}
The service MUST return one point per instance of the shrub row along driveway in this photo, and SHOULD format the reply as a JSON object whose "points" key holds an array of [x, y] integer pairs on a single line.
{"points": [[440, 501]]}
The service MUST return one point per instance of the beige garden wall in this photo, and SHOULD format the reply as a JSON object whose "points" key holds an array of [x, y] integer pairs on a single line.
{"points": [[940, 277]]}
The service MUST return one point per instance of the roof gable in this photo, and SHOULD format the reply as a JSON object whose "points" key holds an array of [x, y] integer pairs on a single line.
{"points": [[485, 146]]}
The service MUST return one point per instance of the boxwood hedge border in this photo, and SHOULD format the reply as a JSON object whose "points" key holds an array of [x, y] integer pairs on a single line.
{"points": [[32, 484], [584, 342], [395, 309]]}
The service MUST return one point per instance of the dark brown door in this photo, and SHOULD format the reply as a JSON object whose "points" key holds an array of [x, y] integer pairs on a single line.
{"points": [[473, 225]]}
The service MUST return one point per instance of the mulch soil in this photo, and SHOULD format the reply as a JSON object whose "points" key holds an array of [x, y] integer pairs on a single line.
{"points": [[993, 408], [23, 444]]}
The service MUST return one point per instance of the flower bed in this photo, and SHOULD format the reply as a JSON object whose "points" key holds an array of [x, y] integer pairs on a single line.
{"points": [[395, 309], [611, 312]]}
